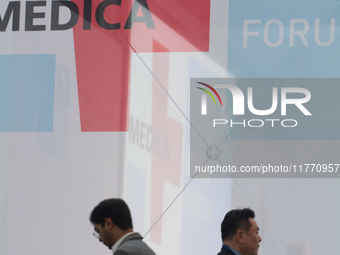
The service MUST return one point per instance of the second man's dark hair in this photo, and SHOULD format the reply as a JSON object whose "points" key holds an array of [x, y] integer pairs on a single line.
{"points": [[235, 220]]}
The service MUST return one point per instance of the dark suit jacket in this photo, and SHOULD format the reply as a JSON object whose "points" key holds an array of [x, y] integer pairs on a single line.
{"points": [[134, 245], [225, 251]]}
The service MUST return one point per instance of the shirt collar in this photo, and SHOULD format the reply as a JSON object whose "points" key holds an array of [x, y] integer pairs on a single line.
{"points": [[233, 250], [116, 245]]}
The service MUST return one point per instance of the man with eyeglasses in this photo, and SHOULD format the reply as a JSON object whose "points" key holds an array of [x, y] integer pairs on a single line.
{"points": [[113, 227]]}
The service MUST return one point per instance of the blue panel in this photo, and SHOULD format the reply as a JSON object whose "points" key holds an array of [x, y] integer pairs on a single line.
{"points": [[27, 93], [305, 60]]}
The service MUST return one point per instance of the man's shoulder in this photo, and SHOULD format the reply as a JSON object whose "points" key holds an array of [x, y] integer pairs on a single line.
{"points": [[133, 244], [225, 251]]}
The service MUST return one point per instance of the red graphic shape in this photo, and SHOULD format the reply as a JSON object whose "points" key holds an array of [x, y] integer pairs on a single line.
{"points": [[103, 56], [103, 71], [166, 157]]}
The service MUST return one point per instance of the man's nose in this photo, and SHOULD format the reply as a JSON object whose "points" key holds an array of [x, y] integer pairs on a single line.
{"points": [[260, 239]]}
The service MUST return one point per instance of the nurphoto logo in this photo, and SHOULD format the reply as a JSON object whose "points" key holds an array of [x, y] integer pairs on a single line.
{"points": [[238, 99]]}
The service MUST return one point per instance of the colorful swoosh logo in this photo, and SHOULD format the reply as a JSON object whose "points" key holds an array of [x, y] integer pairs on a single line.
{"points": [[207, 91]]}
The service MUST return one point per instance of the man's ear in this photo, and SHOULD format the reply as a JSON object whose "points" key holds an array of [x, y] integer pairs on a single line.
{"points": [[240, 236], [108, 223]]}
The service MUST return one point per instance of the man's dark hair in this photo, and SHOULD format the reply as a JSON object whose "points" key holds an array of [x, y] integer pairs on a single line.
{"points": [[115, 209], [235, 220]]}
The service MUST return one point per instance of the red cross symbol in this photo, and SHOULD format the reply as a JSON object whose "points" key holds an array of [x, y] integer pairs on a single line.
{"points": [[110, 31]]}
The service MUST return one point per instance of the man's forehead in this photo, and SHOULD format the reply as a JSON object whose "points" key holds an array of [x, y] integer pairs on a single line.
{"points": [[253, 223]]}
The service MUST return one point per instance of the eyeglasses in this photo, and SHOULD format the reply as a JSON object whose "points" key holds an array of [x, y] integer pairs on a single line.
{"points": [[96, 233]]}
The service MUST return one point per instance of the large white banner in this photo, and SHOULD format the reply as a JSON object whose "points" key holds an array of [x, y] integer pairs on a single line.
{"points": [[95, 103]]}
